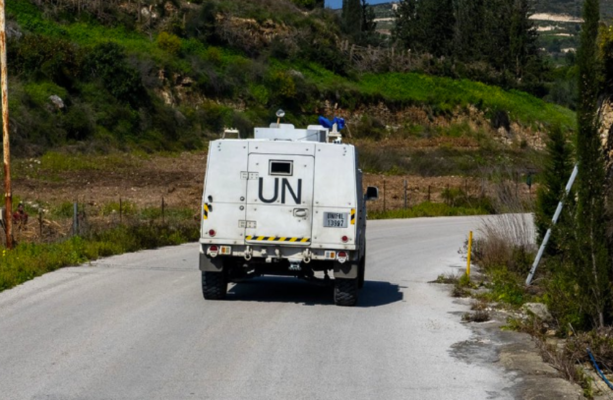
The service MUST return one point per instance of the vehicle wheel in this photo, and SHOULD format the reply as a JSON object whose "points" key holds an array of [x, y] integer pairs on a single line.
{"points": [[214, 285], [361, 272], [345, 292]]}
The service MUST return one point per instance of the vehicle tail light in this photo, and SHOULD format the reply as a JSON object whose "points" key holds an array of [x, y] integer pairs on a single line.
{"points": [[345, 239], [342, 256], [213, 249], [212, 233]]}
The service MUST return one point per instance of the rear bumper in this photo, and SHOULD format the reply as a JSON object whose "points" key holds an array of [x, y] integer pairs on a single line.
{"points": [[273, 254], [316, 252]]}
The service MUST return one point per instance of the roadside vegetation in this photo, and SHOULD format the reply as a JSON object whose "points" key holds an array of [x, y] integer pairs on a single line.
{"points": [[574, 280], [49, 242]]}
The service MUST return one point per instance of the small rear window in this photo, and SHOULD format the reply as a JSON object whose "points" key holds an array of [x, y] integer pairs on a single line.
{"points": [[281, 167]]}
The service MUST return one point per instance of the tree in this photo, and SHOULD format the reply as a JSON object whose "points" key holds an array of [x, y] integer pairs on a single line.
{"points": [[368, 26], [523, 49], [405, 30], [592, 262], [469, 35], [309, 4], [352, 18], [557, 169], [426, 26]]}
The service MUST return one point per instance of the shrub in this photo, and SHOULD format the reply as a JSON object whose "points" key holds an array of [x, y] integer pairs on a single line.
{"points": [[500, 236], [370, 128], [169, 43], [282, 86], [38, 56], [107, 63]]}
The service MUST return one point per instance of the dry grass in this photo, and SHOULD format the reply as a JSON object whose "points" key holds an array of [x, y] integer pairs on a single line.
{"points": [[447, 279], [477, 316], [564, 361], [503, 240], [460, 291]]}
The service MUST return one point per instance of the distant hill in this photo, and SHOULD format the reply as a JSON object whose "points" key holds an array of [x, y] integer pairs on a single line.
{"points": [[568, 7]]}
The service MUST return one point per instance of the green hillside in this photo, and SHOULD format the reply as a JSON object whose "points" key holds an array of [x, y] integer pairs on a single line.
{"points": [[172, 77]]}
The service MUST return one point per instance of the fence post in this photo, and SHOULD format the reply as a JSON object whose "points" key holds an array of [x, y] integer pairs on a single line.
{"points": [[40, 223], [75, 219], [516, 178], [447, 198], [120, 211], [384, 196], [162, 210], [405, 194], [429, 188]]}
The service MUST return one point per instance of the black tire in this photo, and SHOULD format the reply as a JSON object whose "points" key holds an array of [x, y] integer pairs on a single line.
{"points": [[214, 285], [345, 292], [361, 272]]}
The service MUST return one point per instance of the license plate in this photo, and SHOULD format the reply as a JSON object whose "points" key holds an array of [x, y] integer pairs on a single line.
{"points": [[336, 220]]}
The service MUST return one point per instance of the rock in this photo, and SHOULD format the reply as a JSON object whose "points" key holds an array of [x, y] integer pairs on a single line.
{"points": [[296, 74], [13, 31], [57, 102], [538, 310]]}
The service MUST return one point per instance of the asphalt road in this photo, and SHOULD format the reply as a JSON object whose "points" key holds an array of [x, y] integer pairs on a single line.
{"points": [[136, 327]]}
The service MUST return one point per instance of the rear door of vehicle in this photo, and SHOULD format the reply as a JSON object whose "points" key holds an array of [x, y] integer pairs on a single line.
{"points": [[280, 193]]}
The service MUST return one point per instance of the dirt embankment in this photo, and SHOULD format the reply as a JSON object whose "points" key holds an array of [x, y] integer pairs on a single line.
{"points": [[179, 181]]}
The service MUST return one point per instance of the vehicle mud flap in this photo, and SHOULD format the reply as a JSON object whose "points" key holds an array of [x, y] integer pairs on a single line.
{"points": [[346, 271], [210, 264]]}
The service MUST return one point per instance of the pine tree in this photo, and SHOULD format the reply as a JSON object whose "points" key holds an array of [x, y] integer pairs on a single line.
{"points": [[470, 37], [407, 22], [368, 26], [426, 26], [557, 169], [522, 38], [352, 18], [592, 262], [437, 25]]}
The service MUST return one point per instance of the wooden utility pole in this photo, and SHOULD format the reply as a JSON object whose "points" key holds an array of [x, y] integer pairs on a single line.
{"points": [[8, 196]]}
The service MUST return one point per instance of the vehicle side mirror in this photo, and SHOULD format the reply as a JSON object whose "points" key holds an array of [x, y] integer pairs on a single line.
{"points": [[372, 193]]}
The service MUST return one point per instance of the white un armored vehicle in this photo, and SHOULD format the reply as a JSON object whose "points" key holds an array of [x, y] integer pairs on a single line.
{"points": [[288, 202]]}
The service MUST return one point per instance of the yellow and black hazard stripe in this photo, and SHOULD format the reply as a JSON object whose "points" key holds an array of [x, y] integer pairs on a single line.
{"points": [[278, 239], [353, 216], [205, 211]]}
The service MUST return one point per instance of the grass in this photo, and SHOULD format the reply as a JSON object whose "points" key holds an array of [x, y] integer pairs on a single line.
{"points": [[445, 95], [398, 157], [28, 261], [427, 209], [449, 94]]}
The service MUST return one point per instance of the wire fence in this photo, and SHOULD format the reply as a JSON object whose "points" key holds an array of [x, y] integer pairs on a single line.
{"points": [[79, 218], [509, 195]]}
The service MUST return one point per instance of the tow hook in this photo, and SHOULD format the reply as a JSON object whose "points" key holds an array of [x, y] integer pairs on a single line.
{"points": [[248, 253], [307, 256]]}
